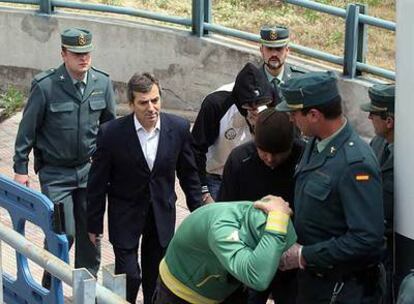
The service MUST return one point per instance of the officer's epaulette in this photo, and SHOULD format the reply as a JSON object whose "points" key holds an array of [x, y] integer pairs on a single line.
{"points": [[100, 71], [296, 69], [352, 152], [44, 74]]}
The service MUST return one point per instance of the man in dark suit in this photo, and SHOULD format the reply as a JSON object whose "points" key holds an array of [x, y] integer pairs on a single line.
{"points": [[135, 164]]}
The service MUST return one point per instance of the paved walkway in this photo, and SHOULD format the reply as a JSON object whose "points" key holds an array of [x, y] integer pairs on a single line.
{"points": [[8, 130]]}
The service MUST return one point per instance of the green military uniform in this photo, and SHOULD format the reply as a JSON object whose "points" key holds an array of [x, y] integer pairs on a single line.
{"points": [[406, 293], [60, 124], [382, 103], [278, 37], [338, 203]]}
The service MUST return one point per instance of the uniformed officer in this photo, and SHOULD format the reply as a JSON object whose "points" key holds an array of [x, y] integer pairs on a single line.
{"points": [[381, 113], [338, 203], [274, 48], [60, 122]]}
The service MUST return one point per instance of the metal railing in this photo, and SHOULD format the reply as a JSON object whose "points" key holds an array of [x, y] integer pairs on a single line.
{"points": [[83, 283], [356, 22], [27, 205]]}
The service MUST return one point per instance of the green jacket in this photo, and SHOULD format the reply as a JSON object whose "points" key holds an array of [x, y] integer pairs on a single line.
{"points": [[59, 123], [221, 246], [339, 215], [387, 172]]}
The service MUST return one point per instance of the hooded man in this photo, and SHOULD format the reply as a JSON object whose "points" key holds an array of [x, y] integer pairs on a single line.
{"points": [[226, 120]]}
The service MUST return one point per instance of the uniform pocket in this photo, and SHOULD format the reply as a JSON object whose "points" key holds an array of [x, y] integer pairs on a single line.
{"points": [[319, 186], [61, 107], [62, 115], [97, 104], [96, 107]]}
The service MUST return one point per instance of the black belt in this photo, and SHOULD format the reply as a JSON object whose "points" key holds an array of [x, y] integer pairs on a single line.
{"points": [[215, 175], [362, 275], [67, 165]]}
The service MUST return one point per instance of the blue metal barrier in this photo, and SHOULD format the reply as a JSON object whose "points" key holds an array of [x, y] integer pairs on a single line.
{"points": [[24, 204]]}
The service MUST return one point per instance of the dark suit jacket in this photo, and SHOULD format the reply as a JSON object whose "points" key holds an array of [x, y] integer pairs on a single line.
{"points": [[119, 170]]}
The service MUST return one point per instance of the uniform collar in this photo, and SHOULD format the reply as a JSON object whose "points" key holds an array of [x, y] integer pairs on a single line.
{"points": [[270, 77], [75, 81], [321, 145]]}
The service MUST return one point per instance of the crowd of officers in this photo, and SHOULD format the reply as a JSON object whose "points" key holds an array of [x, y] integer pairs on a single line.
{"points": [[277, 130]]}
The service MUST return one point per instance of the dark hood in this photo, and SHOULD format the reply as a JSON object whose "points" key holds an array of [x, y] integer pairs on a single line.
{"points": [[251, 86]]}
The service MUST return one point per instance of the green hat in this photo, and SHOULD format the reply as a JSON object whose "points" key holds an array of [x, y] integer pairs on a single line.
{"points": [[77, 40], [276, 36], [382, 98], [308, 90]]}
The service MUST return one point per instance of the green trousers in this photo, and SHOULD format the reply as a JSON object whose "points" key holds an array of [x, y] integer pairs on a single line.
{"points": [[68, 186]]}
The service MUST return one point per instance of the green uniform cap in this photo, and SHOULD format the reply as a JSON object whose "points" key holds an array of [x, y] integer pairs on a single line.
{"points": [[308, 90], [276, 36], [77, 40], [382, 98]]}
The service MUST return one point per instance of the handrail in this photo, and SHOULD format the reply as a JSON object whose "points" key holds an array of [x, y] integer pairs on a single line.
{"points": [[340, 12], [51, 263], [122, 11], [353, 60]]}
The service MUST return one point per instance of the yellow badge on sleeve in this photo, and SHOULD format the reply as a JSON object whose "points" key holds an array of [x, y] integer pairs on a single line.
{"points": [[362, 177]]}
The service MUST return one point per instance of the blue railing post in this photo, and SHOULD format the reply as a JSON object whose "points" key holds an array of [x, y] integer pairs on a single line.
{"points": [[46, 6], [351, 39], [362, 38], [207, 14], [198, 17]]}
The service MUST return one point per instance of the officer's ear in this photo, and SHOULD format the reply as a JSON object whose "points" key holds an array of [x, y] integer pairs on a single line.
{"points": [[314, 115], [287, 50], [389, 121]]}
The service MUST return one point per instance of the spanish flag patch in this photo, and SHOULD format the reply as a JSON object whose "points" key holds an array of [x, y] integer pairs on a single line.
{"points": [[362, 177]]}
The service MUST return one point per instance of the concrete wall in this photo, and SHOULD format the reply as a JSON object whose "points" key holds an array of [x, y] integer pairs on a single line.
{"points": [[188, 67]]}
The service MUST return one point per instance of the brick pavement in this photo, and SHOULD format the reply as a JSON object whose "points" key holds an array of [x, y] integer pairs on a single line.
{"points": [[8, 131]]}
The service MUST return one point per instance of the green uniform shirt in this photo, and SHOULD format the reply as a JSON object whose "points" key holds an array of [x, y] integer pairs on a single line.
{"points": [[59, 122]]}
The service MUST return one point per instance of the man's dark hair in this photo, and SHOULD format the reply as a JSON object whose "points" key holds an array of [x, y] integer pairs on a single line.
{"points": [[330, 110], [141, 83], [274, 131]]}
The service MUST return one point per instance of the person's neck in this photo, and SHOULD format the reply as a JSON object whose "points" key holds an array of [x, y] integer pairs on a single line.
{"points": [[77, 76], [149, 127], [329, 127], [274, 72]]}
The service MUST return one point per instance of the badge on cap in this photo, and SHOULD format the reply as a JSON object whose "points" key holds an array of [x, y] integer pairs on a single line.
{"points": [[273, 35], [82, 39], [257, 92]]}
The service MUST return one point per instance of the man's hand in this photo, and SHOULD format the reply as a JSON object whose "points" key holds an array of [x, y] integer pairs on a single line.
{"points": [[292, 258], [251, 117], [207, 198], [94, 238], [22, 179], [271, 203]]}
